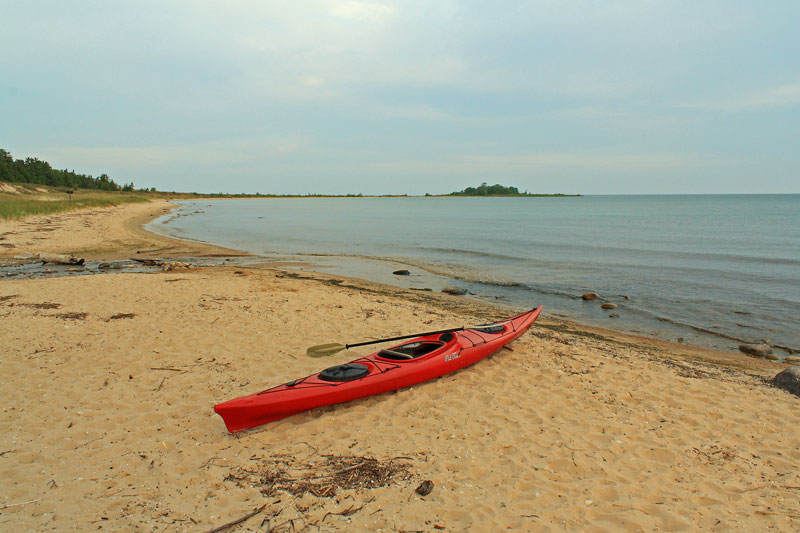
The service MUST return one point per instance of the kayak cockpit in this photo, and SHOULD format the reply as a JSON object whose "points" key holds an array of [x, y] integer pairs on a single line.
{"points": [[412, 350]]}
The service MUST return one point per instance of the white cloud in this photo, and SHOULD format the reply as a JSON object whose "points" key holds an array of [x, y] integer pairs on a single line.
{"points": [[138, 158], [767, 98], [594, 161], [365, 11]]}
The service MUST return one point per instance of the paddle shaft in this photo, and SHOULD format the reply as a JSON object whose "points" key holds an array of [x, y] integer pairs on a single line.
{"points": [[348, 346]]}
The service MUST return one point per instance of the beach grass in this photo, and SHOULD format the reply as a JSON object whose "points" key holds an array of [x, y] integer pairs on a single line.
{"points": [[18, 206]]}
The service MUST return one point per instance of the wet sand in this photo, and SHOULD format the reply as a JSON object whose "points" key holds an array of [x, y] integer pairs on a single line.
{"points": [[110, 382]]}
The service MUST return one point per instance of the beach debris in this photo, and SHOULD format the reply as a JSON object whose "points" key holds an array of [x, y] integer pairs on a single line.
{"points": [[176, 265], [759, 350], [321, 478], [424, 488], [401, 273], [452, 289], [613, 315], [609, 306], [789, 380], [589, 296], [60, 259], [424, 289], [119, 316]]}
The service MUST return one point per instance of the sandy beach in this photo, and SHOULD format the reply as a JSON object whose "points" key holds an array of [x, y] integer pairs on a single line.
{"points": [[110, 381]]}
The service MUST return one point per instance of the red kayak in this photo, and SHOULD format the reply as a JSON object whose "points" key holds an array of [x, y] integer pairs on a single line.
{"points": [[404, 365]]}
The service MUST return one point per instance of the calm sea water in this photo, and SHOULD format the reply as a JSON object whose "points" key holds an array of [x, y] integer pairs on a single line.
{"points": [[708, 270]]}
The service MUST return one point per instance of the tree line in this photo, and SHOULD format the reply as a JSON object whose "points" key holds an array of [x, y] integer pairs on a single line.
{"points": [[33, 170], [490, 190], [499, 190]]}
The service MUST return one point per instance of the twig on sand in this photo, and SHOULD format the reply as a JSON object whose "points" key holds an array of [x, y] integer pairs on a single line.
{"points": [[223, 527], [18, 504], [160, 384], [167, 368], [771, 513]]}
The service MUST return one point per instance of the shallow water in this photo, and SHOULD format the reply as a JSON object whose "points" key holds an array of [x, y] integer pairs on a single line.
{"points": [[712, 270]]}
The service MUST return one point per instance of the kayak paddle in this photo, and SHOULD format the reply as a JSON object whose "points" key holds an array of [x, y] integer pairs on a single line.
{"points": [[331, 348]]}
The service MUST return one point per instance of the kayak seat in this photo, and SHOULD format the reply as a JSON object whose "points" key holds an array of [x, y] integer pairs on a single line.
{"points": [[411, 350], [347, 372], [446, 337]]}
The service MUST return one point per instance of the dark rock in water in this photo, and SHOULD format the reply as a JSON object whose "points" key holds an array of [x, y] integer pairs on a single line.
{"points": [[609, 306], [789, 380], [613, 315], [626, 297], [589, 296], [108, 266], [401, 273], [452, 289], [760, 350], [425, 488]]}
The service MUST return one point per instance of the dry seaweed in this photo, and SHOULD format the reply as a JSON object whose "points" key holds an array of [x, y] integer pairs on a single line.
{"points": [[71, 316], [44, 305], [321, 479]]}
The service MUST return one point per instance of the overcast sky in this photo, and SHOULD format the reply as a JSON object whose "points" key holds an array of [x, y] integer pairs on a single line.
{"points": [[330, 96]]}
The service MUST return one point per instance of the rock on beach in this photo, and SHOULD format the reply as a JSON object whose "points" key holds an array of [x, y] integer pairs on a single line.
{"points": [[589, 296], [759, 350], [789, 380], [452, 289]]}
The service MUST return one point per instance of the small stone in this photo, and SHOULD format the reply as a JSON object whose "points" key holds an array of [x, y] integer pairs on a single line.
{"points": [[609, 306], [613, 315], [771, 357], [789, 380], [766, 341], [792, 359], [760, 350], [425, 488], [626, 297], [401, 273], [452, 289], [589, 296]]}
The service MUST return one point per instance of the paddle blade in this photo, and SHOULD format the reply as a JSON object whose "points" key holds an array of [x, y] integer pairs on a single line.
{"points": [[323, 350]]}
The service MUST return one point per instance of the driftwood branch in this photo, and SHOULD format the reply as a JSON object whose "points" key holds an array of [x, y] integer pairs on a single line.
{"points": [[60, 259]]}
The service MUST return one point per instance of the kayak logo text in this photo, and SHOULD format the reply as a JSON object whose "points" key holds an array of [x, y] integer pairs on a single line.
{"points": [[451, 357]]}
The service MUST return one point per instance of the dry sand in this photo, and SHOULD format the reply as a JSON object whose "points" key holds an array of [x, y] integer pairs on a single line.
{"points": [[110, 382]]}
